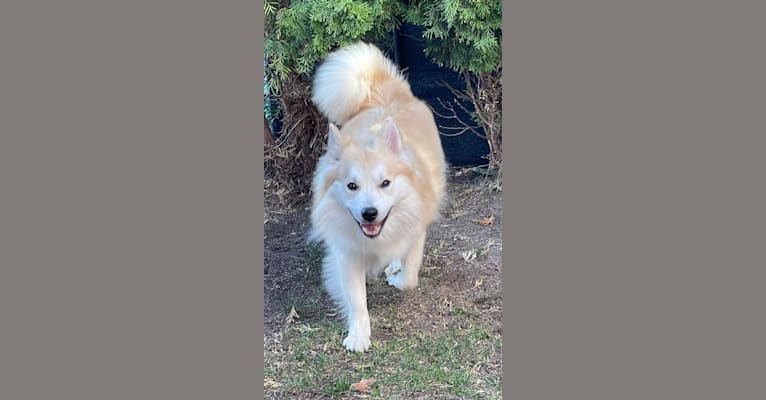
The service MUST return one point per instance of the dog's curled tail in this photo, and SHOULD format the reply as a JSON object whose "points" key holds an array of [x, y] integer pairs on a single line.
{"points": [[353, 78]]}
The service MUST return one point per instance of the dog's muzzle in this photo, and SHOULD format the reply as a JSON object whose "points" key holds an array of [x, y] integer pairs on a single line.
{"points": [[371, 229]]}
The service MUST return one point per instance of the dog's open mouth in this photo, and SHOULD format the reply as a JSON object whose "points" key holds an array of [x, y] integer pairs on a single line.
{"points": [[373, 229]]}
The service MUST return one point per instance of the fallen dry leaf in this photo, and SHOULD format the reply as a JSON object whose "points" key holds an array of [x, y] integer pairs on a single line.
{"points": [[291, 316], [469, 255], [487, 221], [363, 386], [271, 384]]}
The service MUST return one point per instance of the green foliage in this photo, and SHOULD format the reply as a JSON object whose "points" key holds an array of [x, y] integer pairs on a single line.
{"points": [[300, 33], [463, 35]]}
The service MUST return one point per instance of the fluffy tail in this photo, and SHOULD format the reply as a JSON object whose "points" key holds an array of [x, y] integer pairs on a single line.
{"points": [[351, 79]]}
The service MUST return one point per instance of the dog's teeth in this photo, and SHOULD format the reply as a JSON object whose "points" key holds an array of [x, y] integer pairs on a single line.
{"points": [[371, 229]]}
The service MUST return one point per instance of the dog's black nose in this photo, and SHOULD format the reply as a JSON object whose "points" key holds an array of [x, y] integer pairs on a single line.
{"points": [[369, 214]]}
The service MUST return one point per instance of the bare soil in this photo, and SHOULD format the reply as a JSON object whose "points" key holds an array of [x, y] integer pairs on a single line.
{"points": [[460, 281]]}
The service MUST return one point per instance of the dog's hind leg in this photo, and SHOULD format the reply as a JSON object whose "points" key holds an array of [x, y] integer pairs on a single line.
{"points": [[407, 277]]}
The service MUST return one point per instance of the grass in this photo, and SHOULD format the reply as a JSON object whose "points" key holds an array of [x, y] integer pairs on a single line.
{"points": [[442, 341], [457, 358], [456, 364]]}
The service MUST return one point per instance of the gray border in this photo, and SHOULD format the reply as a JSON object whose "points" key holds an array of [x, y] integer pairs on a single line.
{"points": [[634, 176], [635, 246], [130, 194], [507, 139], [259, 304]]}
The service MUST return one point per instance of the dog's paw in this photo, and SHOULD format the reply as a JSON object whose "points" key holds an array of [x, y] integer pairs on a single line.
{"points": [[393, 268], [395, 280], [356, 343], [400, 282]]}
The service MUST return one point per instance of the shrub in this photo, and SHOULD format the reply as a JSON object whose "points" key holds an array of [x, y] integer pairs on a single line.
{"points": [[466, 36], [463, 35], [299, 34]]}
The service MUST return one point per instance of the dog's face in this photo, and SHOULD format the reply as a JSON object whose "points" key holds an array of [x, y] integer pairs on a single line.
{"points": [[370, 177], [369, 191]]}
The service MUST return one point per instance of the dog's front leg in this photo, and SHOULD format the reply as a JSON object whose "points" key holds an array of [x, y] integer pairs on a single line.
{"points": [[344, 278], [405, 277], [354, 301], [355, 289], [393, 267]]}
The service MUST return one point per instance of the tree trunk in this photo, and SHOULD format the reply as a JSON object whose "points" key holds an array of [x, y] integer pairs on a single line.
{"points": [[268, 138]]}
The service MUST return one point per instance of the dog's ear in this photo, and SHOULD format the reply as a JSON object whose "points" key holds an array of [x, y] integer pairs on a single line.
{"points": [[391, 135], [335, 142]]}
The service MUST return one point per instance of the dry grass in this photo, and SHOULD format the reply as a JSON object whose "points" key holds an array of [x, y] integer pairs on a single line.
{"points": [[440, 341], [290, 161]]}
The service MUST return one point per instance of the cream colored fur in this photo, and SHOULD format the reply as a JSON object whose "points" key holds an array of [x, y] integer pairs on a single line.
{"points": [[386, 135]]}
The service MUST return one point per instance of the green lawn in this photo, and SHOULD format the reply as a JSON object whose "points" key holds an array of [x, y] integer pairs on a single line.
{"points": [[311, 363]]}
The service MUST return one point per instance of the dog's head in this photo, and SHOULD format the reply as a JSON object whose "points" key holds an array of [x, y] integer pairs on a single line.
{"points": [[367, 174]]}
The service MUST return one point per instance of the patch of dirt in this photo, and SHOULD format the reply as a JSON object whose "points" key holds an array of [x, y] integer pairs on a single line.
{"points": [[460, 281]]}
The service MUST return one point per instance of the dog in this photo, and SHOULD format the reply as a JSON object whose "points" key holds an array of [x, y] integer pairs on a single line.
{"points": [[379, 183]]}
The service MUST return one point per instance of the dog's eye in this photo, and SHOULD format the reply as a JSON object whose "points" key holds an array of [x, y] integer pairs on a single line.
{"points": [[352, 186], [385, 183]]}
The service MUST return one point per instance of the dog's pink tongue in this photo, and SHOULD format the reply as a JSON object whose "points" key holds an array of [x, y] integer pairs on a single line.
{"points": [[371, 229]]}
